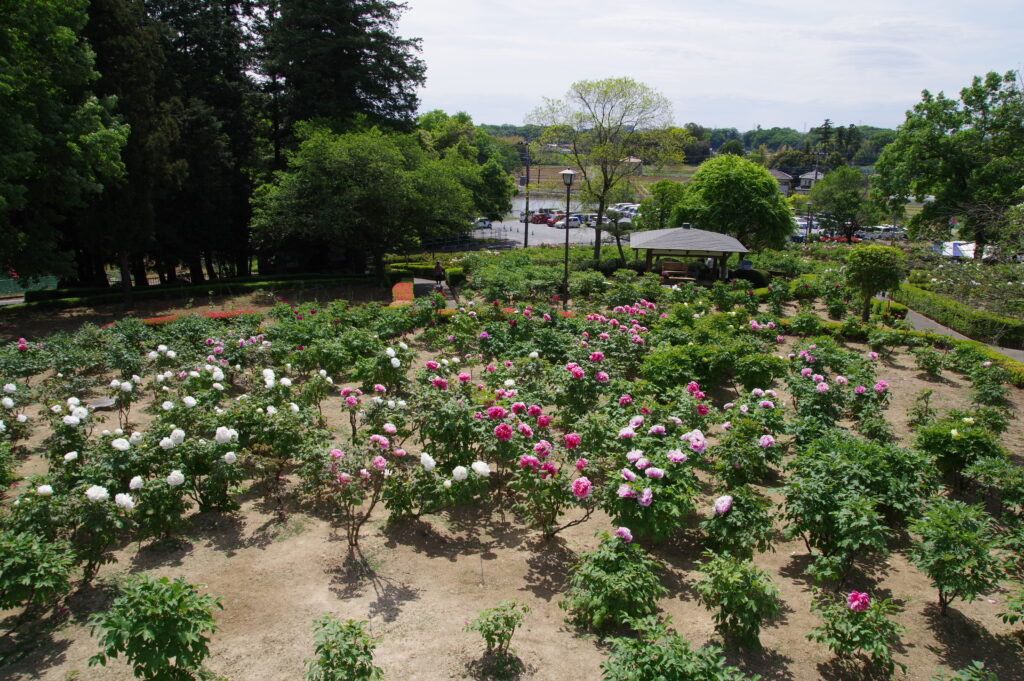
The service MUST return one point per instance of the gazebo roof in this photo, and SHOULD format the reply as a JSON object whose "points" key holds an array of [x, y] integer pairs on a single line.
{"points": [[687, 240]]}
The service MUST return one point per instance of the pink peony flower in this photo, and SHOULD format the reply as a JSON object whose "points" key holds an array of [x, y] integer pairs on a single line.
{"points": [[525, 430], [722, 505], [881, 386], [543, 421], [646, 497], [337, 453], [676, 456], [703, 409], [548, 469], [503, 432], [805, 372], [873, 355], [628, 475], [581, 488], [379, 462], [627, 433], [440, 383], [656, 430], [432, 365], [597, 357], [378, 388], [344, 479], [529, 461], [581, 464], [625, 400], [601, 377], [767, 441], [533, 410], [624, 534], [464, 377], [858, 602], [841, 380], [625, 491], [822, 387], [859, 390], [496, 412], [653, 472], [572, 441]]}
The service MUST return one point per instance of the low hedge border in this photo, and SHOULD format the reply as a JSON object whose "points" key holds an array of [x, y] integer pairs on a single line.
{"points": [[231, 287], [160, 321], [976, 324], [1015, 368]]}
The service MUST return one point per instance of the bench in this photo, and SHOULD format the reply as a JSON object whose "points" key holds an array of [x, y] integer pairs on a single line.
{"points": [[676, 271]]}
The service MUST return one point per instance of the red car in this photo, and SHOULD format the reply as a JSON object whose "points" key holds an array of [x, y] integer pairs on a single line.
{"points": [[539, 219]]}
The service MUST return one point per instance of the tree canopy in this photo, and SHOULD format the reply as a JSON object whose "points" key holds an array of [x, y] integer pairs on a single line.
{"points": [[841, 202], [58, 143], [732, 195], [966, 156], [606, 123]]}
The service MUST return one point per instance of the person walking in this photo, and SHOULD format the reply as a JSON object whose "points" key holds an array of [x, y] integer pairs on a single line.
{"points": [[438, 274]]}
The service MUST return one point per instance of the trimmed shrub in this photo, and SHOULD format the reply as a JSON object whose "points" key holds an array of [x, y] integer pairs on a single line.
{"points": [[977, 324]]}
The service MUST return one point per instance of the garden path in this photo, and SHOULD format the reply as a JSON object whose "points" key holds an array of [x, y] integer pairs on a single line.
{"points": [[922, 323]]}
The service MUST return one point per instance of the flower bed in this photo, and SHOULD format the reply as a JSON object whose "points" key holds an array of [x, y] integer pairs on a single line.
{"points": [[160, 321]]}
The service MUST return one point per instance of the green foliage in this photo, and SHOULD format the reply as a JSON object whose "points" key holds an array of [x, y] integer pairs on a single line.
{"points": [[732, 195], [956, 550], [34, 571], [758, 370], [743, 595], [970, 321], [957, 444], [872, 269], [611, 584], [344, 652], [674, 366], [154, 621], [805, 324], [497, 625], [871, 634], [975, 672], [658, 653], [744, 529], [841, 202]]}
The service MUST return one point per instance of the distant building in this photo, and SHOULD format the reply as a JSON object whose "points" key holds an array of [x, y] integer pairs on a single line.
{"points": [[808, 180], [785, 180]]}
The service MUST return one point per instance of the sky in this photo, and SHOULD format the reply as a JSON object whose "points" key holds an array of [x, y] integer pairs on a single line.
{"points": [[724, 63]]}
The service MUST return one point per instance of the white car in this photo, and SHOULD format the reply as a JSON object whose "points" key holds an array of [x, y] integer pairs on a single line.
{"points": [[481, 223], [573, 222]]}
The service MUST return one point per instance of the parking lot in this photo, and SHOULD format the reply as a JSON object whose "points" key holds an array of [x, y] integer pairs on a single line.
{"points": [[511, 230]]}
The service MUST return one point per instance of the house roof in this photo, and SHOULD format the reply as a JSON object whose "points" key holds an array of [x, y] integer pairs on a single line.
{"points": [[779, 175], [812, 175], [686, 239]]}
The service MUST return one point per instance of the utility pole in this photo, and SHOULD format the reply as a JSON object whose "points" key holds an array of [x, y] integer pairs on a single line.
{"points": [[524, 156]]}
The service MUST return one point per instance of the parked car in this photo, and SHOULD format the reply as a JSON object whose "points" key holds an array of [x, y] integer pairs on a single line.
{"points": [[481, 223], [573, 222], [539, 219]]}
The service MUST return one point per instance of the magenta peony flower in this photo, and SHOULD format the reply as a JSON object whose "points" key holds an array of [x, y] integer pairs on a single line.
{"points": [[601, 377], [503, 432], [543, 421], [703, 409], [628, 475], [581, 464], [881, 386], [528, 461], [526, 430], [496, 412], [858, 602], [572, 441], [624, 534], [581, 488], [859, 390]]}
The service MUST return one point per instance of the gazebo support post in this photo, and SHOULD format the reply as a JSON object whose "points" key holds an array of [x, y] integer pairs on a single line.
{"points": [[650, 261]]}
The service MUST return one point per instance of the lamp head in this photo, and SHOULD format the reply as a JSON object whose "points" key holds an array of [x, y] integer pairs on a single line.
{"points": [[567, 176]]}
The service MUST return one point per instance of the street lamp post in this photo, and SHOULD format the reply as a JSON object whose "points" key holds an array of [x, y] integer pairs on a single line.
{"points": [[567, 177], [524, 156], [807, 228]]}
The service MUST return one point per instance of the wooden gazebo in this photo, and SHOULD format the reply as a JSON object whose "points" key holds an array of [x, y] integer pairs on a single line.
{"points": [[686, 242]]}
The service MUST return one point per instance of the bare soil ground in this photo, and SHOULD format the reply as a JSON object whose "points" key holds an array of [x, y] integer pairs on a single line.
{"points": [[422, 581]]}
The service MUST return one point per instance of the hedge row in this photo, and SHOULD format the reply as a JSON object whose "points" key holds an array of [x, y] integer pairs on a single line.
{"points": [[1015, 368], [453, 275], [232, 287], [177, 287], [976, 324]]}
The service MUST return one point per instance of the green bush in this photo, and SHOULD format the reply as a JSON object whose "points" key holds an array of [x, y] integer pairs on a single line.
{"points": [[956, 444], [658, 653], [757, 278], [33, 571], [759, 370], [677, 365], [497, 625], [155, 621], [956, 550], [742, 594], [611, 584], [869, 632], [344, 652], [977, 324]]}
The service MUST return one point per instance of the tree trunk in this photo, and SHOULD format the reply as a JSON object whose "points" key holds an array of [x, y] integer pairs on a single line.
{"points": [[126, 278], [139, 273], [195, 267], [597, 231], [211, 274], [865, 312]]}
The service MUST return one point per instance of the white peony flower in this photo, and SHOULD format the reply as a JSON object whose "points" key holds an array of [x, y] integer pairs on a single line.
{"points": [[403, 345], [161, 348], [80, 412], [10, 388], [230, 457], [126, 387], [293, 407], [115, 384], [271, 410], [105, 432], [218, 386], [323, 373], [509, 383], [70, 456], [171, 354], [160, 378], [390, 352], [152, 354], [135, 438], [71, 420], [21, 418], [166, 443], [120, 444], [177, 436], [175, 478], [286, 382], [167, 405], [447, 484], [118, 431], [460, 473], [217, 375], [44, 490], [481, 468], [427, 462], [188, 401], [225, 435], [97, 493], [7, 402], [136, 483], [395, 362], [124, 501], [73, 401], [56, 408], [401, 404], [534, 355]]}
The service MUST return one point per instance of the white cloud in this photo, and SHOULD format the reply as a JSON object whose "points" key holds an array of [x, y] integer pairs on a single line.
{"points": [[726, 63]]}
